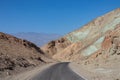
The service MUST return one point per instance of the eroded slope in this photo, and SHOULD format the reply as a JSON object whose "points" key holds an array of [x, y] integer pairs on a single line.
{"points": [[85, 41], [17, 54]]}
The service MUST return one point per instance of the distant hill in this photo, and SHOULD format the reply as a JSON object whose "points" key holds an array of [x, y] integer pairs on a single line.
{"points": [[38, 38]]}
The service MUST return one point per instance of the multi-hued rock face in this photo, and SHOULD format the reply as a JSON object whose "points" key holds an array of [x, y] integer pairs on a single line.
{"points": [[95, 37]]}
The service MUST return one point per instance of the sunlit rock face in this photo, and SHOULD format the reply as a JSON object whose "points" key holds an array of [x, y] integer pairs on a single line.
{"points": [[17, 55], [87, 40]]}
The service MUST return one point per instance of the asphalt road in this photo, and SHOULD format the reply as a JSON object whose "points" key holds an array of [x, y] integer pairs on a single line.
{"points": [[59, 71]]}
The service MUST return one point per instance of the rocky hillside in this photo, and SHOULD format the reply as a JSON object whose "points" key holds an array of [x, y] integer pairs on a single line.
{"points": [[53, 47], [86, 41], [17, 54]]}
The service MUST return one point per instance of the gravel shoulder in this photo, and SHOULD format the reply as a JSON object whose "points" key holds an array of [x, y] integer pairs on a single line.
{"points": [[90, 72], [27, 75]]}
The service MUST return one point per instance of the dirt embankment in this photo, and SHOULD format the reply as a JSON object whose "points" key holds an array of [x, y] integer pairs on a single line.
{"points": [[16, 55]]}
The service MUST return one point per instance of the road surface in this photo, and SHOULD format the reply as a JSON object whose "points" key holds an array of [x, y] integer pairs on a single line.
{"points": [[59, 71]]}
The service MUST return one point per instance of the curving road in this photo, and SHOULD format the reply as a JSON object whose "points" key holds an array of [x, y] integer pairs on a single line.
{"points": [[59, 71]]}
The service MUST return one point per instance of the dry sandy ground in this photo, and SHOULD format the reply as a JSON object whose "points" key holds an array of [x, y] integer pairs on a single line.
{"points": [[28, 74], [105, 71], [89, 72]]}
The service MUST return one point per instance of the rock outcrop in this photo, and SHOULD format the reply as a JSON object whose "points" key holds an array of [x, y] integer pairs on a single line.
{"points": [[54, 47], [17, 54]]}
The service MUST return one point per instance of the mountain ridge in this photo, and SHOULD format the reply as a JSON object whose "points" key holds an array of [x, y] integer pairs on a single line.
{"points": [[39, 39], [88, 39]]}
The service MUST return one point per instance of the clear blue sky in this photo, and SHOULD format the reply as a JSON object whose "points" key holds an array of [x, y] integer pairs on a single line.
{"points": [[51, 16]]}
